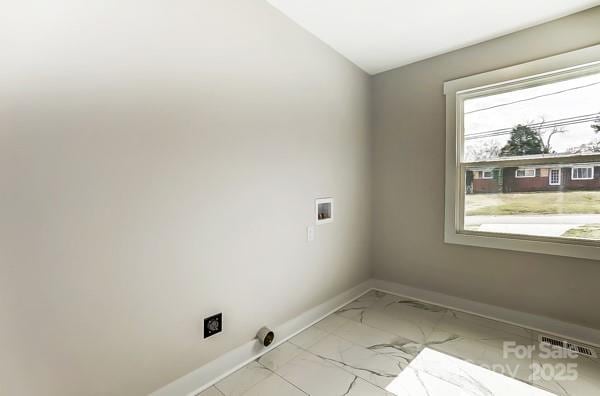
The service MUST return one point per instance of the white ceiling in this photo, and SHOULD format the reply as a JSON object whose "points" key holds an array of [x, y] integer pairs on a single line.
{"points": [[379, 35]]}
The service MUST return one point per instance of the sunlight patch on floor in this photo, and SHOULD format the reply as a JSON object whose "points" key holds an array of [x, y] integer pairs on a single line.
{"points": [[434, 373]]}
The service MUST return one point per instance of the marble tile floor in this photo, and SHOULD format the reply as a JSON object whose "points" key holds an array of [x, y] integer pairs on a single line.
{"points": [[382, 344]]}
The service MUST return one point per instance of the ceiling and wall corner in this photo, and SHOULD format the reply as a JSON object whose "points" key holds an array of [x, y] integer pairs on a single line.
{"points": [[380, 35]]}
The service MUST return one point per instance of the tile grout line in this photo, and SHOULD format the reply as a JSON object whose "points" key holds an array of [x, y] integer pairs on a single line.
{"points": [[219, 390], [360, 323], [343, 367], [283, 378], [243, 368], [531, 337], [392, 357], [207, 389]]}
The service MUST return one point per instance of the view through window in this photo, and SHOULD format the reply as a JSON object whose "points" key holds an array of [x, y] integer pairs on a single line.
{"points": [[531, 160]]}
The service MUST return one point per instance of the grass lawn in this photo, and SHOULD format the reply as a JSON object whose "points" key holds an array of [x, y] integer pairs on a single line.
{"points": [[588, 231], [571, 202]]}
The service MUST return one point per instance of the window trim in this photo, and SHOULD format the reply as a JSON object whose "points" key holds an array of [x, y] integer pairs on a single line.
{"points": [[525, 170], [487, 178], [559, 67], [582, 178], [550, 176]]}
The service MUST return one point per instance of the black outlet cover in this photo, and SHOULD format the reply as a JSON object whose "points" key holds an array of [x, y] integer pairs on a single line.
{"points": [[213, 325]]}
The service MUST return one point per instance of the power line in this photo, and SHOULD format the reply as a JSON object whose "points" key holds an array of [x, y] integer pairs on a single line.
{"points": [[541, 125], [507, 131], [532, 98]]}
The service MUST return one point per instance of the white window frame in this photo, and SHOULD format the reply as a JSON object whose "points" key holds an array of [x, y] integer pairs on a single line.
{"points": [[483, 172], [556, 68], [525, 170], [559, 170], [573, 169]]}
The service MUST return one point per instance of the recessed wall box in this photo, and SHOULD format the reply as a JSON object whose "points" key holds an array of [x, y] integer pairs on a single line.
{"points": [[324, 210]]}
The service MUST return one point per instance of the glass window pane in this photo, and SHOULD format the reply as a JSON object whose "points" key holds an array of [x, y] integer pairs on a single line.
{"points": [[555, 177], [550, 204], [557, 118]]}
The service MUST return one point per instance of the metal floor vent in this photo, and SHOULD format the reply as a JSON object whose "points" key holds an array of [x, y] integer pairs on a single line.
{"points": [[582, 350]]}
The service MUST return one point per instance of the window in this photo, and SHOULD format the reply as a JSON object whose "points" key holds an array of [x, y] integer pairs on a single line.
{"points": [[526, 123], [581, 173], [525, 172], [555, 177], [487, 174]]}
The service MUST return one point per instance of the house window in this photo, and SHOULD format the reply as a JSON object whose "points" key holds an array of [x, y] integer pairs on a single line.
{"points": [[534, 120], [525, 172], [582, 173], [554, 177]]}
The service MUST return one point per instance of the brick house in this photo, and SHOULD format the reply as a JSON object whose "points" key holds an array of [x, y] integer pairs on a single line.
{"points": [[563, 177]]}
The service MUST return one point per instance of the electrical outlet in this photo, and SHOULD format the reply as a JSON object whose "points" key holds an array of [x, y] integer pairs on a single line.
{"points": [[213, 325]]}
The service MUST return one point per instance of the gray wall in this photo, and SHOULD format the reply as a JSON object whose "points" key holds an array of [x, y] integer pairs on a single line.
{"points": [[159, 162], [408, 174]]}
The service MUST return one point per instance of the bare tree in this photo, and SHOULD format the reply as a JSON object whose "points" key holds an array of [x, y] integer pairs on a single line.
{"points": [[541, 131], [555, 130], [591, 147], [485, 151]]}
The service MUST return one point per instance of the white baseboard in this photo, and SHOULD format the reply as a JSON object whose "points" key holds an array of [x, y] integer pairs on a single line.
{"points": [[534, 322], [209, 374], [204, 377]]}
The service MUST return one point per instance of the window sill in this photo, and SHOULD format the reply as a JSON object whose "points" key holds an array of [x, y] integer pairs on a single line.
{"points": [[525, 243]]}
